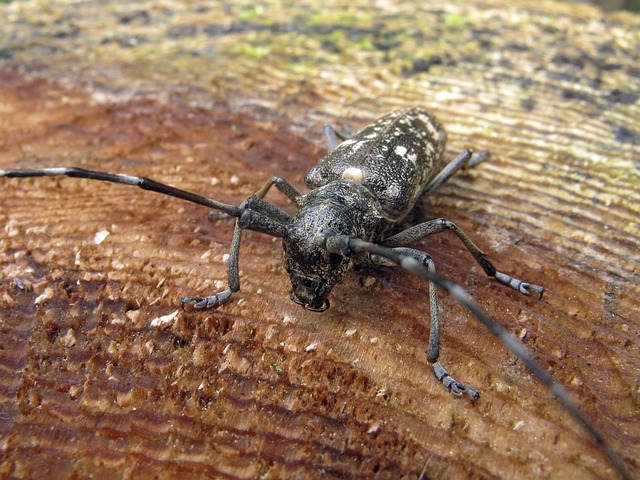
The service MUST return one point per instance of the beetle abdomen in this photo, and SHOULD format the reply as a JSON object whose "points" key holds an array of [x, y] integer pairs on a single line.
{"points": [[394, 158]]}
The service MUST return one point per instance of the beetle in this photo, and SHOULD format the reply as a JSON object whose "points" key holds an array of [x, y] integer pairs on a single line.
{"points": [[359, 192]]}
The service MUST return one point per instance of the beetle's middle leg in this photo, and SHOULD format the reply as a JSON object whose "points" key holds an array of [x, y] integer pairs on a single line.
{"points": [[440, 225], [433, 353]]}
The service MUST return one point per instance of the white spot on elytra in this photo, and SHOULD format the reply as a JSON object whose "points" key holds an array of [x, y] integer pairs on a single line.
{"points": [[345, 144], [352, 173], [400, 150]]}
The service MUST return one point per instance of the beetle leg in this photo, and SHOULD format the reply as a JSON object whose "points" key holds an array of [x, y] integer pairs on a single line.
{"points": [[257, 204], [346, 245], [233, 277], [284, 186], [449, 382], [332, 135], [465, 159], [259, 215], [269, 210], [440, 225]]}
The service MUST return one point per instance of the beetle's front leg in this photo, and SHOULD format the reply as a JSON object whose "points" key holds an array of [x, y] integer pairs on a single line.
{"points": [[433, 353], [281, 184], [284, 186], [258, 215], [233, 276]]}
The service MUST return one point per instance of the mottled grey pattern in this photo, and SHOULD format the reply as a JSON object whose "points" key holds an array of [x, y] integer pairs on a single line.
{"points": [[394, 158]]}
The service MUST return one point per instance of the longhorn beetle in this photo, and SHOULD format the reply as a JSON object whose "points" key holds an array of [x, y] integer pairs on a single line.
{"points": [[360, 190]]}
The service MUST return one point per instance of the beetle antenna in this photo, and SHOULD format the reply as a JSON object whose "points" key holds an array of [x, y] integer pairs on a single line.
{"points": [[346, 245], [142, 182]]}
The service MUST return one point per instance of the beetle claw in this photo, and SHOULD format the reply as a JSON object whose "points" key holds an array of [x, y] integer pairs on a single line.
{"points": [[527, 288], [203, 303]]}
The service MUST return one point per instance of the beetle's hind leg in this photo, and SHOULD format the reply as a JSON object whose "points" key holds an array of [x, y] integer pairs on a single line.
{"points": [[332, 135], [466, 159], [433, 353]]}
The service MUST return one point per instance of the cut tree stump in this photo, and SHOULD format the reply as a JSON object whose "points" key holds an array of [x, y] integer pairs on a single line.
{"points": [[103, 375]]}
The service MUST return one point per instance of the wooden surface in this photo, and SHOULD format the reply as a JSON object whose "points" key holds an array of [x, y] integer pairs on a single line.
{"points": [[218, 100]]}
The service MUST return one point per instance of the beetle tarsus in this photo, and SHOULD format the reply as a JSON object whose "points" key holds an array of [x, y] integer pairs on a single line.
{"points": [[203, 303], [453, 385], [519, 285]]}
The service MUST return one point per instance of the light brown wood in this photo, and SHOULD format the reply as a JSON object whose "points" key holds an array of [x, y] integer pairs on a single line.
{"points": [[218, 101]]}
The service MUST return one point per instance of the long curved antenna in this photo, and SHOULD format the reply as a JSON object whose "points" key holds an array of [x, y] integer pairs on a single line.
{"points": [[144, 183], [346, 246]]}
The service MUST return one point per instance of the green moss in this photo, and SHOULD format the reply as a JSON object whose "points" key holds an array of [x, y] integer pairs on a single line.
{"points": [[338, 18], [251, 13], [455, 19], [253, 51]]}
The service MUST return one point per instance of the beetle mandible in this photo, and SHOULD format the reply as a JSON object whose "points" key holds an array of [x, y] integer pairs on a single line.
{"points": [[359, 192]]}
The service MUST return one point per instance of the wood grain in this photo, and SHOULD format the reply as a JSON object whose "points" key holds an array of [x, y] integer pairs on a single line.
{"points": [[216, 101]]}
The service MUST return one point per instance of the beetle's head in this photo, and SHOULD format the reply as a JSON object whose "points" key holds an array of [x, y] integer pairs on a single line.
{"points": [[312, 269]]}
